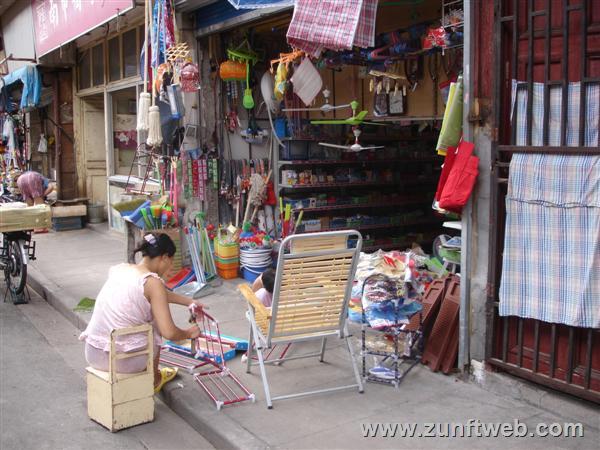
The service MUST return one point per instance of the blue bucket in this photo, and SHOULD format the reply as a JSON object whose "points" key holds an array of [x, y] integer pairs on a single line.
{"points": [[251, 273]]}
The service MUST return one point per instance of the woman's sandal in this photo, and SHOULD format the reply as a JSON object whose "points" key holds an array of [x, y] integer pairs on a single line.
{"points": [[166, 374]]}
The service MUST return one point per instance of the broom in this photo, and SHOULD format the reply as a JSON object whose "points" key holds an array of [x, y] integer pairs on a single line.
{"points": [[144, 103], [154, 131]]}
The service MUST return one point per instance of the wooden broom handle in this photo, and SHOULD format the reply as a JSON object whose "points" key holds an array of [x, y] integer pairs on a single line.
{"points": [[146, 46]]}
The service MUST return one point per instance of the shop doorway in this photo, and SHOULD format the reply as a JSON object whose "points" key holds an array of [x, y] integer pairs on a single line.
{"points": [[94, 145], [124, 134]]}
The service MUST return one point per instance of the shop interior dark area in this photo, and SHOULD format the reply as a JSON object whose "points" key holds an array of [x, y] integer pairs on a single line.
{"points": [[378, 111]]}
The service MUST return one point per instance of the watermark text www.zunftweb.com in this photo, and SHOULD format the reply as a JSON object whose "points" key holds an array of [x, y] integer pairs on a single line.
{"points": [[473, 428]]}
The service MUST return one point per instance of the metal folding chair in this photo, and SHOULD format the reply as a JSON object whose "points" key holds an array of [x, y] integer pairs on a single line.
{"points": [[310, 300]]}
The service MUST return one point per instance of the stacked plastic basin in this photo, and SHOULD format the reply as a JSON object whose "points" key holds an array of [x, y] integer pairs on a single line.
{"points": [[254, 262], [227, 259]]}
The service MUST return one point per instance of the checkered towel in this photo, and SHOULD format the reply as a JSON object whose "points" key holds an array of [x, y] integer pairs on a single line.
{"points": [[332, 24], [552, 240]]}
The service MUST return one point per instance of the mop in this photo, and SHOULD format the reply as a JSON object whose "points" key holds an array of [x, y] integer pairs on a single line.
{"points": [[144, 103]]}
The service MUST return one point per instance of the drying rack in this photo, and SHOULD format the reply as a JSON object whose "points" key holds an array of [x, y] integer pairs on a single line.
{"points": [[403, 360], [219, 383]]}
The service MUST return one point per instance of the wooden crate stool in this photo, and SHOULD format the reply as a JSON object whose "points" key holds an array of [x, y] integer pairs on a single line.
{"points": [[122, 400]]}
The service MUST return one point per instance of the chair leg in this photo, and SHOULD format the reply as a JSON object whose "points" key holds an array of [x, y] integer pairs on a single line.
{"points": [[263, 374], [249, 352], [361, 389], [323, 344]]}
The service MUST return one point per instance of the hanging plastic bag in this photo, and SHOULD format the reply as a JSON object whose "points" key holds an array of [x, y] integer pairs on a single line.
{"points": [[43, 145], [461, 179]]}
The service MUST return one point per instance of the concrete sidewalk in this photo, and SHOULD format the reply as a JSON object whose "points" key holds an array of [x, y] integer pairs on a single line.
{"points": [[74, 264]]}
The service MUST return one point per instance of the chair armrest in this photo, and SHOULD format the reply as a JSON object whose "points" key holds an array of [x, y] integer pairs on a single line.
{"points": [[251, 298]]}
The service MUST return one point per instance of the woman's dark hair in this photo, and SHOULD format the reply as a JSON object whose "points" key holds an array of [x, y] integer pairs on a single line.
{"points": [[156, 244], [268, 280]]}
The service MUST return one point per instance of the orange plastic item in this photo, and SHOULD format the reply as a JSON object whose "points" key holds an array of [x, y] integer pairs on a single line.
{"points": [[232, 71], [227, 271]]}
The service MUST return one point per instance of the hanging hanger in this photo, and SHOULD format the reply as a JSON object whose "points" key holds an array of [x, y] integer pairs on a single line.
{"points": [[287, 58]]}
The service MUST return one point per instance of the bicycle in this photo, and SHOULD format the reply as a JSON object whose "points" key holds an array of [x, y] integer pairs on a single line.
{"points": [[16, 250]]}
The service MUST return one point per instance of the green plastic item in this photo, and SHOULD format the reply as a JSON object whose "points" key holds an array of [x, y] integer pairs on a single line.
{"points": [[146, 219], [248, 101]]}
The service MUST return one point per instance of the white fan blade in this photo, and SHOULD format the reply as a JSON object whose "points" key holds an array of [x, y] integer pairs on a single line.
{"points": [[300, 109], [326, 144], [373, 148]]}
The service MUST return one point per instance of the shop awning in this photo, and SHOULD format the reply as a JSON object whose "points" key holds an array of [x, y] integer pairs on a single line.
{"points": [[32, 85], [222, 15]]}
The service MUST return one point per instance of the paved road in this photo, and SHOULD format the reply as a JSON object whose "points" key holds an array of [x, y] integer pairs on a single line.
{"points": [[43, 396]]}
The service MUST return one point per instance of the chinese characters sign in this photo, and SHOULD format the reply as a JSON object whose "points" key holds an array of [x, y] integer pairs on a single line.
{"points": [[57, 22]]}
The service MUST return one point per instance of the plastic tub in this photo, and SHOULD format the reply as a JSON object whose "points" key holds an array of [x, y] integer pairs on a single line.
{"points": [[226, 250]]}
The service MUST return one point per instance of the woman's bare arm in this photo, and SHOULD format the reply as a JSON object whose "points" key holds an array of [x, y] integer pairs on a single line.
{"points": [[155, 291]]}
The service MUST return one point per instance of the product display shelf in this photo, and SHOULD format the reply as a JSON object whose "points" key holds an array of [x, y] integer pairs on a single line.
{"points": [[336, 162], [400, 361], [410, 179], [414, 173], [406, 202], [427, 221]]}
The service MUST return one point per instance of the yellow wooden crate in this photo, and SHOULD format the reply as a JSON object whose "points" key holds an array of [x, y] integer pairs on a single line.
{"points": [[16, 218]]}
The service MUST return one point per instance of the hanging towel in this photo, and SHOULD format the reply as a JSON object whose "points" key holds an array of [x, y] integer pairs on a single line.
{"points": [[453, 116], [332, 24], [552, 237], [307, 81]]}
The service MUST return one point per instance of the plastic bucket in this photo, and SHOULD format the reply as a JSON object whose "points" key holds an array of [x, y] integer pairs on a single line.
{"points": [[95, 213], [256, 257], [252, 273]]}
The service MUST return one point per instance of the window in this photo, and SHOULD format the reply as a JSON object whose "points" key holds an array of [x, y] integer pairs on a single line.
{"points": [[98, 65], [114, 60], [85, 65], [130, 54]]}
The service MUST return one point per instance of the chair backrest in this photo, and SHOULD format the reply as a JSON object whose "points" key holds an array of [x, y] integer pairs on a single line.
{"points": [[313, 285], [113, 376]]}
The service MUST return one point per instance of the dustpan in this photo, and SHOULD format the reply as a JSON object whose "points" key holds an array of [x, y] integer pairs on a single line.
{"points": [[194, 289]]}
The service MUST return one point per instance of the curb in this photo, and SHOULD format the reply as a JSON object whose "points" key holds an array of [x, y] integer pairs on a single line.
{"points": [[218, 428]]}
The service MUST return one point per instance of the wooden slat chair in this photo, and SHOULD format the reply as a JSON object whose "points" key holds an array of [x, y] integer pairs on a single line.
{"points": [[313, 284], [122, 400]]}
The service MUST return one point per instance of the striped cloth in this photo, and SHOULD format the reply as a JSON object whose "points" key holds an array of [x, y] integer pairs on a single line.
{"points": [[332, 24], [551, 254]]}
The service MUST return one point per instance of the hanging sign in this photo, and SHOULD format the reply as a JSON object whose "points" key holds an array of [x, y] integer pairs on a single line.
{"points": [[57, 22]]}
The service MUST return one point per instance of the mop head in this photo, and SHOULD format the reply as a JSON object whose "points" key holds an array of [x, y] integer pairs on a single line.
{"points": [[154, 131], [143, 109]]}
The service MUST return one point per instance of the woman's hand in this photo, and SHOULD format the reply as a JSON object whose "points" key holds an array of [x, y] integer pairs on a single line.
{"points": [[193, 332], [200, 304]]}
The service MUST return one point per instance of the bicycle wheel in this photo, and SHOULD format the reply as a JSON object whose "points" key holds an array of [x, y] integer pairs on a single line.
{"points": [[15, 272]]}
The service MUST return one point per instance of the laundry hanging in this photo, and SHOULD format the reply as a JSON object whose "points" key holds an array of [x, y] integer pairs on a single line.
{"points": [[552, 237], [332, 24], [32, 85]]}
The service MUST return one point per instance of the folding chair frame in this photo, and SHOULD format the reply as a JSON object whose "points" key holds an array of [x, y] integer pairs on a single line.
{"points": [[265, 343]]}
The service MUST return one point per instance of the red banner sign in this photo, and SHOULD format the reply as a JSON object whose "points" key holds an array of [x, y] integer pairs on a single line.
{"points": [[57, 22]]}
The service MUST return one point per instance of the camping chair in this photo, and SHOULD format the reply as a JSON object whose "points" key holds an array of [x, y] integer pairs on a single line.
{"points": [[310, 300]]}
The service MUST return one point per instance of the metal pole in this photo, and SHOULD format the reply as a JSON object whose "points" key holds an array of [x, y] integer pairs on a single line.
{"points": [[467, 215]]}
